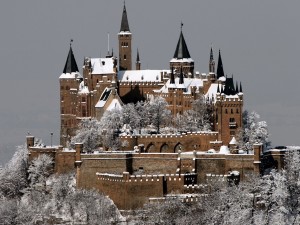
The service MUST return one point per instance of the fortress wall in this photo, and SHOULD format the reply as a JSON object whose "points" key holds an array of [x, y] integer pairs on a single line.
{"points": [[200, 141], [222, 164], [65, 162], [207, 164], [131, 192], [90, 166], [242, 163], [154, 163]]}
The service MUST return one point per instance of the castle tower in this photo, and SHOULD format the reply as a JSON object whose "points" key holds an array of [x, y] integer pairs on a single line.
{"points": [[229, 108], [182, 57], [220, 70], [138, 62], [69, 81], [125, 37]]}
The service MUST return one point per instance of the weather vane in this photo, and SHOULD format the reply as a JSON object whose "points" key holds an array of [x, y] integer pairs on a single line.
{"points": [[71, 42], [181, 25]]}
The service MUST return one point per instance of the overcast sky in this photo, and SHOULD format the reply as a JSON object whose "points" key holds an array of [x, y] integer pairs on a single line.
{"points": [[259, 41]]}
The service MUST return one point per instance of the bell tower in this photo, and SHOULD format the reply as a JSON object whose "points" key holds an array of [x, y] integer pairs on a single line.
{"points": [[125, 37]]}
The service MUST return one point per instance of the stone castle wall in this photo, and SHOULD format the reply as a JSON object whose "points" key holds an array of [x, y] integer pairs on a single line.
{"points": [[170, 143], [133, 191]]}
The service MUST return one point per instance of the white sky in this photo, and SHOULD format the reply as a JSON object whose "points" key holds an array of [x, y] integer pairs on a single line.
{"points": [[259, 41]]}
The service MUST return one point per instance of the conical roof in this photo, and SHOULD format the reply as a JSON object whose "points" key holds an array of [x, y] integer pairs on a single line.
{"points": [[124, 22], [71, 65], [181, 51], [229, 87], [137, 56], [220, 70]]}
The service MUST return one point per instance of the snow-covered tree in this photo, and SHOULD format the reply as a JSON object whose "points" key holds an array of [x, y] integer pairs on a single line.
{"points": [[111, 124], [142, 109], [39, 170], [159, 115], [254, 131], [88, 133], [130, 116], [13, 176]]}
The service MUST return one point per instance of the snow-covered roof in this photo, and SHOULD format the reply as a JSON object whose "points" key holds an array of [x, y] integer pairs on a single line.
{"points": [[124, 32], [188, 83], [141, 75], [115, 104], [224, 150], [222, 79], [103, 98], [73, 75], [233, 141], [83, 89], [102, 65], [184, 60], [212, 91]]}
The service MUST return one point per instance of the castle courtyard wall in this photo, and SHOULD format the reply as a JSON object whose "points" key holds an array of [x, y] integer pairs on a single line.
{"points": [[167, 143]]}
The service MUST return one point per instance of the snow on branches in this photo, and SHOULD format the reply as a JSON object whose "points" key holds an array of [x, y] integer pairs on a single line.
{"points": [[254, 131]]}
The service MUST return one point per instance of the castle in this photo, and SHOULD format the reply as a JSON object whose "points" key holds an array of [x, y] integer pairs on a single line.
{"points": [[103, 86], [161, 163]]}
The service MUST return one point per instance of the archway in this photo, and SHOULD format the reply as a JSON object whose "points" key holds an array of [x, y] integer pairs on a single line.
{"points": [[150, 148], [178, 147], [164, 148]]}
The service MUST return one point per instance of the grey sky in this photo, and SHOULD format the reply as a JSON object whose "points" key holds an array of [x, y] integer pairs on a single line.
{"points": [[259, 41]]}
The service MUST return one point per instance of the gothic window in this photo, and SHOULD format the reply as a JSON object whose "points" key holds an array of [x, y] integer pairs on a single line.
{"points": [[231, 120], [231, 111], [226, 111], [237, 110], [124, 57], [83, 99], [83, 112]]}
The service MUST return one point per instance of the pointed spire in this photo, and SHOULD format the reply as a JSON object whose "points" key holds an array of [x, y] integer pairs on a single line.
{"points": [[181, 76], [236, 87], [220, 71], [138, 63], [172, 79], [211, 58], [218, 89], [241, 90], [181, 51], [137, 56], [71, 65], [124, 23], [211, 61]]}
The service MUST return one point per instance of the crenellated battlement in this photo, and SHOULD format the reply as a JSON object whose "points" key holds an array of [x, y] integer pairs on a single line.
{"points": [[126, 177], [196, 188], [145, 83], [216, 177], [153, 136]]}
